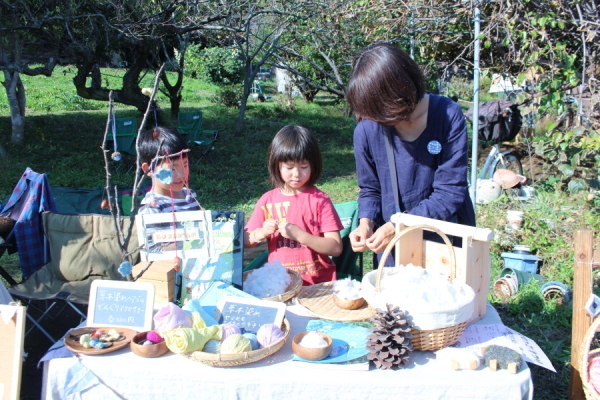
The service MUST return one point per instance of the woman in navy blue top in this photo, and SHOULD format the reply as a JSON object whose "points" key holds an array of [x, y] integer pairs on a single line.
{"points": [[387, 93]]}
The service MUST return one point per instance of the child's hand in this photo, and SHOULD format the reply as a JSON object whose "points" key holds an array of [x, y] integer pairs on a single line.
{"points": [[288, 231], [269, 227]]}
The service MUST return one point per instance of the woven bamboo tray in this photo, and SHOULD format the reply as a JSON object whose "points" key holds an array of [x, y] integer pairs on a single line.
{"points": [[292, 289], [426, 339], [319, 300], [234, 360], [586, 357]]}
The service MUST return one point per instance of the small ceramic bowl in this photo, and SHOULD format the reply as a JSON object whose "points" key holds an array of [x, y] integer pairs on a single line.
{"points": [[147, 351], [311, 353], [348, 304]]}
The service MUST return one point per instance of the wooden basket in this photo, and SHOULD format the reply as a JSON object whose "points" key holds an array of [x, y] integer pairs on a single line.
{"points": [[233, 360], [292, 290], [586, 357], [426, 339], [318, 299]]}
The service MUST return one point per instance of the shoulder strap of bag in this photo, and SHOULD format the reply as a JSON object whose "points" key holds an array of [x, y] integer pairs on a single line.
{"points": [[389, 147]]}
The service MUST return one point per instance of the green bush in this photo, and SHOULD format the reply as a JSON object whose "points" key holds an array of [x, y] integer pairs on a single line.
{"points": [[227, 97], [216, 64]]}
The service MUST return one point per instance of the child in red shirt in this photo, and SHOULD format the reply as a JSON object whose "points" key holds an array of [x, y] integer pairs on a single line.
{"points": [[298, 220]]}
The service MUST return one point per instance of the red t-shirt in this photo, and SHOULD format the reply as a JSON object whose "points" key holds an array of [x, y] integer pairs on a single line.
{"points": [[313, 211]]}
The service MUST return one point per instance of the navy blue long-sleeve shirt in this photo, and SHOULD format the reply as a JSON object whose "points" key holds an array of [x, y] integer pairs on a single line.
{"points": [[431, 185]]}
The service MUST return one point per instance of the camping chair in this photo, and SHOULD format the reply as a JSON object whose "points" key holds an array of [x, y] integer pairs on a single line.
{"points": [[124, 134], [345, 263], [83, 247], [190, 125]]}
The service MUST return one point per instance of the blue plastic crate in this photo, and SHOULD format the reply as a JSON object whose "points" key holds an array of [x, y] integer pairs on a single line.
{"points": [[522, 262]]}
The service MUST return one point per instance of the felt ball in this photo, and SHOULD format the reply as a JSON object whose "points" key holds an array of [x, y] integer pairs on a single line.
{"points": [[235, 344], [125, 268], [268, 334], [228, 330], [212, 346], [147, 343], [154, 337], [252, 339]]}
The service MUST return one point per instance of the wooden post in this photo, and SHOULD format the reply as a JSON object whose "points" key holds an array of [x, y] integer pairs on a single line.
{"points": [[582, 289]]}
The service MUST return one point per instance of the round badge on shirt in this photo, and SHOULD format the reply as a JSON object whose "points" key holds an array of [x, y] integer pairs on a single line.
{"points": [[434, 147]]}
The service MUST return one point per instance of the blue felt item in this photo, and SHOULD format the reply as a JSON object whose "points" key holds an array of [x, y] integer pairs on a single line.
{"points": [[125, 268], [164, 175]]}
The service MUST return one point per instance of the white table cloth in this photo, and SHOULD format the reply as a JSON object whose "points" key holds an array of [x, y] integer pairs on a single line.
{"points": [[123, 375]]}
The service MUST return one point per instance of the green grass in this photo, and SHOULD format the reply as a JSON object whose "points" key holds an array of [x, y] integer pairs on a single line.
{"points": [[64, 143]]}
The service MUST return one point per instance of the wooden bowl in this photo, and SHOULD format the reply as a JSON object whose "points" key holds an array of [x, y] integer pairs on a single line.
{"points": [[349, 304], [311, 353], [147, 351]]}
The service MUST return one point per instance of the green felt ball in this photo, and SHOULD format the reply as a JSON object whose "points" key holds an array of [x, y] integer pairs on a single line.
{"points": [[234, 344], [503, 355]]}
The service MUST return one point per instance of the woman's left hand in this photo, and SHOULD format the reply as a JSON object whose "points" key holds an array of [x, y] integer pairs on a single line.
{"points": [[381, 238]]}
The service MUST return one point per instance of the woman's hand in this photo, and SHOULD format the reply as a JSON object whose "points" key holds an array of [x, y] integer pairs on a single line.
{"points": [[381, 238], [359, 236]]}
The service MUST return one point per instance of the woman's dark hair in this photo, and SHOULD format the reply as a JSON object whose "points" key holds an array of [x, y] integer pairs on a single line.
{"points": [[385, 84], [150, 142], [294, 143]]}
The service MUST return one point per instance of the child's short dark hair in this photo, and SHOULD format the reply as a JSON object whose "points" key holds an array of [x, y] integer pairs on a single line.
{"points": [[168, 140], [294, 143], [385, 84]]}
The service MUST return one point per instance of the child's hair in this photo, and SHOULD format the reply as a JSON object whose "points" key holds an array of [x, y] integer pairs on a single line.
{"points": [[385, 84], [150, 141], [294, 143]]}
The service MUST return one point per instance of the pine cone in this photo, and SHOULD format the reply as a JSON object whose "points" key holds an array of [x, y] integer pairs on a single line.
{"points": [[390, 341]]}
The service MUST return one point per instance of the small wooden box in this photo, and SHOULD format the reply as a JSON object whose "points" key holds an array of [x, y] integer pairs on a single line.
{"points": [[473, 262], [161, 274]]}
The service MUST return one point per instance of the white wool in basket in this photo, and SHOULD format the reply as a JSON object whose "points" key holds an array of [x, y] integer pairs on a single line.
{"points": [[429, 298], [423, 289], [270, 280], [347, 289]]}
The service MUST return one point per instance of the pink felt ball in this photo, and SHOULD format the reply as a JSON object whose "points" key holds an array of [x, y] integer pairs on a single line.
{"points": [[268, 334], [228, 330], [154, 337], [594, 368]]}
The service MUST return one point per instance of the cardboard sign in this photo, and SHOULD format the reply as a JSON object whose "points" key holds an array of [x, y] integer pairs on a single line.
{"points": [[121, 304], [249, 314]]}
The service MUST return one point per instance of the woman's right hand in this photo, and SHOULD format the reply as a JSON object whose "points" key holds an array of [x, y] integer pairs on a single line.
{"points": [[381, 238], [359, 236]]}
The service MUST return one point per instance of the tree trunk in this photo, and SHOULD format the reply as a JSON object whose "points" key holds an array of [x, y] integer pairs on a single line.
{"points": [[130, 92], [242, 111], [15, 93], [249, 76]]}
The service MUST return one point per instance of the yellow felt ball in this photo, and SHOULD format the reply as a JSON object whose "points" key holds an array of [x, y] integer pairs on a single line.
{"points": [[234, 344]]}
